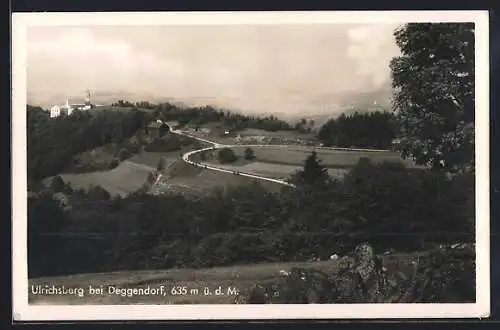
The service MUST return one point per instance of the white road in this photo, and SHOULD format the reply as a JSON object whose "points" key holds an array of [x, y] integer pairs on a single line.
{"points": [[216, 145]]}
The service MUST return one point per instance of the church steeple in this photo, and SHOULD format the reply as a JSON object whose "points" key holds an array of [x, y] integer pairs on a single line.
{"points": [[87, 97]]}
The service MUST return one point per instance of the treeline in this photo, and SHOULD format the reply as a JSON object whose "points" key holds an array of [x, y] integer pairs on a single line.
{"points": [[53, 142], [385, 205], [198, 116], [361, 130]]}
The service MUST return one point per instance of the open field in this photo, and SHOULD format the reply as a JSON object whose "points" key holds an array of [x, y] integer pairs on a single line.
{"points": [[185, 178], [122, 180], [274, 171], [329, 158], [151, 159], [196, 281], [282, 162]]}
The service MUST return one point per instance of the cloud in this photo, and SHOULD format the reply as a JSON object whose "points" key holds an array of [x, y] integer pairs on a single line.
{"points": [[278, 68], [372, 44], [75, 59]]}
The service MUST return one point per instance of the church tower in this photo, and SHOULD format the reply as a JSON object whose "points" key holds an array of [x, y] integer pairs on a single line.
{"points": [[87, 98]]}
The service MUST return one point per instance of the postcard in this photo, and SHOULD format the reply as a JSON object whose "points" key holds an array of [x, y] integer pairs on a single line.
{"points": [[250, 165]]}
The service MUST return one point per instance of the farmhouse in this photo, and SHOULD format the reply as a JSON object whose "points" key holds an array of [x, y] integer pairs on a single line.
{"points": [[395, 143], [173, 124], [157, 129]]}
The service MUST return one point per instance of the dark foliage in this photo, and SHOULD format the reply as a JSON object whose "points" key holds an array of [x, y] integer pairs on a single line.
{"points": [[441, 276], [167, 143], [198, 116], [389, 206], [53, 142], [226, 155], [313, 173], [249, 154], [360, 130], [433, 82]]}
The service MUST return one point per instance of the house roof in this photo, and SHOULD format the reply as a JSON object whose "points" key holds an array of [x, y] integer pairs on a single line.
{"points": [[155, 124]]}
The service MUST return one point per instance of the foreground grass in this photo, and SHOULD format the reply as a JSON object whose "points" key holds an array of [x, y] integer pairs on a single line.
{"points": [[192, 286]]}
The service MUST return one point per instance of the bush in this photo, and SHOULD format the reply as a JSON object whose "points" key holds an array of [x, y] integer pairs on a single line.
{"points": [[226, 155], [249, 154], [418, 205], [124, 154], [114, 163], [98, 193], [442, 276], [167, 143], [58, 184], [389, 206]]}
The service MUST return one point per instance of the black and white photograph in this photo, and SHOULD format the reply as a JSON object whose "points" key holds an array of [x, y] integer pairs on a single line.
{"points": [[312, 164]]}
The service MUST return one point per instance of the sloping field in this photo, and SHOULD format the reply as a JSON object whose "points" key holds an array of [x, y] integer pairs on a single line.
{"points": [[151, 159], [182, 177], [277, 134], [274, 171], [329, 158], [122, 180], [196, 281]]}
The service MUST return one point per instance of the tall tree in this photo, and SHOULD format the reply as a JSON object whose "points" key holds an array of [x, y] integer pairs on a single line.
{"points": [[433, 82], [161, 164], [313, 172]]}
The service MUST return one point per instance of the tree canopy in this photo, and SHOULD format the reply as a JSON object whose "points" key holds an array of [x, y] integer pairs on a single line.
{"points": [[313, 172], [433, 82], [360, 130]]}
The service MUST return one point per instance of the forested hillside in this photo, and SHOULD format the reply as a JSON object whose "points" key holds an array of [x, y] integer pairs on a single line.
{"points": [[360, 130], [53, 142], [387, 205]]}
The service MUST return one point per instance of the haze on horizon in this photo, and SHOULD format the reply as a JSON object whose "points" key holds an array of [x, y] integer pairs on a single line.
{"points": [[281, 69]]}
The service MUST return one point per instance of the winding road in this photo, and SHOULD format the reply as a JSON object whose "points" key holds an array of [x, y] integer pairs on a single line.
{"points": [[215, 146]]}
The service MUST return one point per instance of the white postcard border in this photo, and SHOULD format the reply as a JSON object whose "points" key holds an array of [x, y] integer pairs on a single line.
{"points": [[25, 312]]}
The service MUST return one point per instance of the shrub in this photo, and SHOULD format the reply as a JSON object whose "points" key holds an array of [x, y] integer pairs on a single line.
{"points": [[98, 193], [167, 143], [415, 206], [249, 154], [442, 276], [226, 155], [114, 163], [124, 154], [58, 184]]}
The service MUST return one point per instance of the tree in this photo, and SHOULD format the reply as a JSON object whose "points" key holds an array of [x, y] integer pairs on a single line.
{"points": [[249, 154], [161, 164], [98, 193], [313, 172], [58, 184], [150, 178], [433, 82], [226, 155], [360, 129], [124, 154]]}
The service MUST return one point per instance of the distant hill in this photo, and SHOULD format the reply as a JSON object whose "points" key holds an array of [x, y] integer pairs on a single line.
{"points": [[320, 107]]}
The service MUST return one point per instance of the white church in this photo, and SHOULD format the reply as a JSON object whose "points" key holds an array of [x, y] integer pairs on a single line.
{"points": [[67, 109]]}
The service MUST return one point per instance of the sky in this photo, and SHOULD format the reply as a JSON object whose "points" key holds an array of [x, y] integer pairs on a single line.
{"points": [[282, 69]]}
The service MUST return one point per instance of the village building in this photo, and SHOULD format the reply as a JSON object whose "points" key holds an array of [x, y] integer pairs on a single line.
{"points": [[157, 129], [395, 143], [68, 108], [173, 124]]}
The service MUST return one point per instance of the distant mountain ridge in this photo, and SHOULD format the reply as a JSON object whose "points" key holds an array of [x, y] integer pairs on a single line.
{"points": [[321, 108]]}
